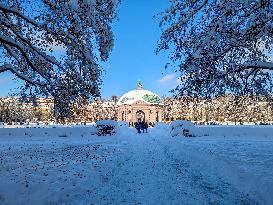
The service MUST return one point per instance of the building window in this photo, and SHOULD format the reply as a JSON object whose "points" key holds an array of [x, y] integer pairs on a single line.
{"points": [[122, 116]]}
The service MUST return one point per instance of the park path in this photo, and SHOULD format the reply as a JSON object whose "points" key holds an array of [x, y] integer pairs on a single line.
{"points": [[153, 172]]}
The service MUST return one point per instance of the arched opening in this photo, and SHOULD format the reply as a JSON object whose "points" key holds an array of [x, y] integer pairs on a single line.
{"points": [[140, 116]]}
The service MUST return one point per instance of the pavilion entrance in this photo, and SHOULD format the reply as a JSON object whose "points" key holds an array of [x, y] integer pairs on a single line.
{"points": [[140, 116]]}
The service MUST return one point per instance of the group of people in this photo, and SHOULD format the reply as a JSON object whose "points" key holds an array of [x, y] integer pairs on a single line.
{"points": [[141, 126]]}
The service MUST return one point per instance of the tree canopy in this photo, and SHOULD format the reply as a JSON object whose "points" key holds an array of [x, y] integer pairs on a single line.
{"points": [[220, 46], [31, 30]]}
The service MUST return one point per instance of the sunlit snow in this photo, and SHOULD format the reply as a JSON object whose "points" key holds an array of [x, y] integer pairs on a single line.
{"points": [[72, 165]]}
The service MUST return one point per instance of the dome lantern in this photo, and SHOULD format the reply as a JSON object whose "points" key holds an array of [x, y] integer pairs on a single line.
{"points": [[139, 85]]}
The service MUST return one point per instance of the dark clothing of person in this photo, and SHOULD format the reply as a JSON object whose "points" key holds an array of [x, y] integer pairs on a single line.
{"points": [[143, 126], [138, 127]]}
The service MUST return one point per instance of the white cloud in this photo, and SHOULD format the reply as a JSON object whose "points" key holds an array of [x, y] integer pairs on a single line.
{"points": [[168, 79]]}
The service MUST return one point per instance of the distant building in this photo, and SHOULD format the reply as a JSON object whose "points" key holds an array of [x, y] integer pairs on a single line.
{"points": [[31, 110], [140, 105], [146, 106]]}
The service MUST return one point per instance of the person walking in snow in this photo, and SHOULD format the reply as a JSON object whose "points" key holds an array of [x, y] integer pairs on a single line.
{"points": [[138, 126], [143, 126], [146, 127]]}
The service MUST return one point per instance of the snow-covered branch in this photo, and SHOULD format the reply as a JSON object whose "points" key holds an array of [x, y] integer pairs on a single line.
{"points": [[82, 28], [221, 46], [16, 12], [9, 67], [259, 65]]}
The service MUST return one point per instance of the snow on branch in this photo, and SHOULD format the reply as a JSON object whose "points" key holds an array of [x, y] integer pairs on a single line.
{"points": [[83, 29], [9, 67], [217, 44], [7, 9], [259, 65]]}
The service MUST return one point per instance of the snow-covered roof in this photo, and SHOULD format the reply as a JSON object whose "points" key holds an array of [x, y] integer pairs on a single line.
{"points": [[145, 96]]}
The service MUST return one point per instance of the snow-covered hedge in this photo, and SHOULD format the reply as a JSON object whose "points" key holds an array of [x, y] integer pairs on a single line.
{"points": [[106, 127], [182, 127]]}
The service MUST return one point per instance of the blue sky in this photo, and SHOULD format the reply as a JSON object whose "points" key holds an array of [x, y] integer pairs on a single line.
{"points": [[133, 57]]}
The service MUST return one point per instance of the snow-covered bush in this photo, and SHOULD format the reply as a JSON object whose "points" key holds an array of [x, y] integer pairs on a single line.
{"points": [[106, 127], [182, 127]]}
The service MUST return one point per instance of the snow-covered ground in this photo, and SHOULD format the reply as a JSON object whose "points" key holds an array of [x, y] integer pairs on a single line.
{"points": [[74, 166]]}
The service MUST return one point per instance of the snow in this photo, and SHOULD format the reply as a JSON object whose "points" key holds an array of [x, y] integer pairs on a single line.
{"points": [[133, 96], [46, 133], [161, 126], [244, 163], [123, 124], [221, 167], [107, 123], [235, 131]]}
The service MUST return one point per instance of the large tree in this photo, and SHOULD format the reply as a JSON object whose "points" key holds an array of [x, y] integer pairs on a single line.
{"points": [[220, 46], [31, 30]]}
